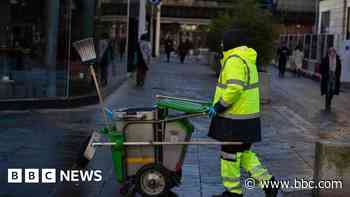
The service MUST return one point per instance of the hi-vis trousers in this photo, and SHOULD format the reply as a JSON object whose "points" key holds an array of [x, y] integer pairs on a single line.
{"points": [[232, 158]]}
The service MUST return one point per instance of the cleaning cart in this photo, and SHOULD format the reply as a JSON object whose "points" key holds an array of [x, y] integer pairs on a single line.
{"points": [[148, 145]]}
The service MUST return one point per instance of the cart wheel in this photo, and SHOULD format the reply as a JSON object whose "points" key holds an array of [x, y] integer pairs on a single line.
{"points": [[152, 181]]}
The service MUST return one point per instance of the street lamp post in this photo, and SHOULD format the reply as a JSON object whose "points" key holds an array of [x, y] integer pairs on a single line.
{"points": [[157, 41], [142, 18]]}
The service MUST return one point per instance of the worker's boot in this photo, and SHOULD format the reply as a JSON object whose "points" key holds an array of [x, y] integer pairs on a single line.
{"points": [[228, 194], [272, 191]]}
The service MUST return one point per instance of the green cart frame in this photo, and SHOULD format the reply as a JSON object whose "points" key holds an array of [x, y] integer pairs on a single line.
{"points": [[160, 170]]}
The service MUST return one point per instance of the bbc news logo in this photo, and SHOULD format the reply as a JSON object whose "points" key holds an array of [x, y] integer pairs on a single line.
{"points": [[51, 175]]}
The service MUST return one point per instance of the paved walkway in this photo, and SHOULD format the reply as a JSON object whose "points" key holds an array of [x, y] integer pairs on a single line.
{"points": [[291, 124]]}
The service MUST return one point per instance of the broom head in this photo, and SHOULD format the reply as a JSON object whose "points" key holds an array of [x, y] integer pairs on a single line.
{"points": [[86, 50]]}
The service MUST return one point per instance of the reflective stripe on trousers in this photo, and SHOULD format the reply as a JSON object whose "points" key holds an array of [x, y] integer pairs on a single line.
{"points": [[231, 169], [231, 173], [252, 164], [260, 173], [228, 156]]}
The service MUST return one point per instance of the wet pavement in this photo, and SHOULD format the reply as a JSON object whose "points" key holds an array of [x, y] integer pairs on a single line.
{"points": [[52, 138]]}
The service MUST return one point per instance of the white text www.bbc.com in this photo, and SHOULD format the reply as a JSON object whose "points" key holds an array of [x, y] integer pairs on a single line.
{"points": [[299, 184]]}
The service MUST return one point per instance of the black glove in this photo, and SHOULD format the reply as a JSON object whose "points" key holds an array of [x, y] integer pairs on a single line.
{"points": [[219, 108]]}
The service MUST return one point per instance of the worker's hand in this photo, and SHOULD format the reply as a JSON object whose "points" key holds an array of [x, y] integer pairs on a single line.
{"points": [[211, 112]]}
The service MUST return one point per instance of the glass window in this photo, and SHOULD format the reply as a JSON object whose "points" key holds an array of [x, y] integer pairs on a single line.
{"points": [[23, 48], [325, 21], [36, 55], [79, 82], [111, 40], [330, 41]]}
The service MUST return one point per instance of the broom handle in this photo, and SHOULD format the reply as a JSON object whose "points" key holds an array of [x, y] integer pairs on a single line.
{"points": [[92, 70]]}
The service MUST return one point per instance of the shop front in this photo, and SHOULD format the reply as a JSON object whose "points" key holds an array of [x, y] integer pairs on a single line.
{"points": [[37, 59]]}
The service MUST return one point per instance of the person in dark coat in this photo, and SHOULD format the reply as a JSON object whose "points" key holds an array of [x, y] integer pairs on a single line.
{"points": [[169, 47], [189, 44], [143, 59], [182, 51], [122, 44], [283, 54], [106, 58], [330, 65]]}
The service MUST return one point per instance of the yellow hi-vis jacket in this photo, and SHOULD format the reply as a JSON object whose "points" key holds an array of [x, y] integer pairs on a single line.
{"points": [[238, 84]]}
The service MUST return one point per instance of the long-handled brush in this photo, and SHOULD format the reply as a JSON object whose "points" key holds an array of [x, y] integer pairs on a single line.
{"points": [[87, 53]]}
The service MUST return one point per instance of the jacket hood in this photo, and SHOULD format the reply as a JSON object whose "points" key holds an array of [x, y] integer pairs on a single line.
{"points": [[249, 54], [235, 38]]}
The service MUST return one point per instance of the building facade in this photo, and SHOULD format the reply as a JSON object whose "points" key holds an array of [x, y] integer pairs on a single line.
{"points": [[334, 18], [297, 16], [185, 20], [332, 29], [179, 19]]}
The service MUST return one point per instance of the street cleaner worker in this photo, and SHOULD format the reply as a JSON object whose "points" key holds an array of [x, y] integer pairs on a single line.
{"points": [[236, 115]]}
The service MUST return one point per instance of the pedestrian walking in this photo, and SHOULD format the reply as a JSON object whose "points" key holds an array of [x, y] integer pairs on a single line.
{"points": [[121, 46], [189, 47], [106, 56], [283, 54], [182, 50], [143, 59], [169, 47], [330, 72], [236, 115], [297, 59]]}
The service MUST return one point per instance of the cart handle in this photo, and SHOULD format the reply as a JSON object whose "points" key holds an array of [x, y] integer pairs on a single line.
{"points": [[166, 143], [182, 99]]}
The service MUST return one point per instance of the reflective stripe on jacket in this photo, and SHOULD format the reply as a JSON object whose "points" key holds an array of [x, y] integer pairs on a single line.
{"points": [[238, 84]]}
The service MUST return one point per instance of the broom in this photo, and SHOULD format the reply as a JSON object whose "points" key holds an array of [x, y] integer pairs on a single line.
{"points": [[87, 53]]}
